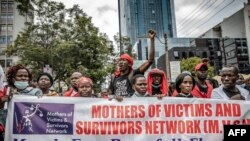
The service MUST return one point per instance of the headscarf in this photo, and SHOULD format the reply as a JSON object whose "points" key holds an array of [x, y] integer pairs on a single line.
{"points": [[164, 82], [129, 59], [85, 79]]}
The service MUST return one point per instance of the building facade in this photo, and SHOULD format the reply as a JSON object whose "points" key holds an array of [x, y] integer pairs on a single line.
{"points": [[11, 23], [233, 35], [136, 17]]}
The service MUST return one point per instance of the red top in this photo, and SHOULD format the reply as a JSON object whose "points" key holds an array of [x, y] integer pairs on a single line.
{"points": [[197, 93], [71, 93], [164, 83]]}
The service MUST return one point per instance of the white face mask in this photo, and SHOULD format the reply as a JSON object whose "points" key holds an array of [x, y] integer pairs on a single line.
{"points": [[21, 85]]}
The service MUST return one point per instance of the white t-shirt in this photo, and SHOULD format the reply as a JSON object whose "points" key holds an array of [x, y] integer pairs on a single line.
{"points": [[218, 93]]}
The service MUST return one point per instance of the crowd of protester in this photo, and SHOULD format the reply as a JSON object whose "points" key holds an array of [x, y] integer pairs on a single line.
{"points": [[128, 83]]}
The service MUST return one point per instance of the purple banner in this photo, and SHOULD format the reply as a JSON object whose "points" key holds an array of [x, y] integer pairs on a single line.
{"points": [[43, 118]]}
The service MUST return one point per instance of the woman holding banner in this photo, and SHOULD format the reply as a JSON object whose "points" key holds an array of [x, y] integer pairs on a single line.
{"points": [[18, 78], [184, 85], [85, 87]]}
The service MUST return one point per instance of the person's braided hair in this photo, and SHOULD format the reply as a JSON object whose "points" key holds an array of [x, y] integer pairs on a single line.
{"points": [[11, 74]]}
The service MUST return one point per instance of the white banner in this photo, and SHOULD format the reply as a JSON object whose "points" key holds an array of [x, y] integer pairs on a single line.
{"points": [[133, 119]]}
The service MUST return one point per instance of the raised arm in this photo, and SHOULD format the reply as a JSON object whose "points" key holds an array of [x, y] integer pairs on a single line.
{"points": [[151, 56]]}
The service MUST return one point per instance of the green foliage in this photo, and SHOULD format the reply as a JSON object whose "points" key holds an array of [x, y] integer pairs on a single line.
{"points": [[123, 43], [190, 63], [64, 39]]}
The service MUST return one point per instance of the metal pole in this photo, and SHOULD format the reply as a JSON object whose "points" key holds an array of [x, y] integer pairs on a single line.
{"points": [[6, 24], [167, 57], [120, 34]]}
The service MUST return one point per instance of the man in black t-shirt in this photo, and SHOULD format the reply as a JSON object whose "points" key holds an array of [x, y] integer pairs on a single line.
{"points": [[121, 80]]}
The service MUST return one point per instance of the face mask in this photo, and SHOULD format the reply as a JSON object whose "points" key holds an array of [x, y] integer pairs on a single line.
{"points": [[21, 85]]}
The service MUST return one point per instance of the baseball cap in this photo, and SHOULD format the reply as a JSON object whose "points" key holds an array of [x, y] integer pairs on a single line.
{"points": [[200, 65]]}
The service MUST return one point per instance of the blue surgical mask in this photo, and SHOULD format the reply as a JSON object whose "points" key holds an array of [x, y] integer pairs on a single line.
{"points": [[21, 85]]}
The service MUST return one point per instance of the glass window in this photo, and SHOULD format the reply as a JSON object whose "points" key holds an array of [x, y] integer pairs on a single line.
{"points": [[3, 39], [191, 54], [10, 27], [2, 28], [184, 55], [10, 16], [176, 54], [5, 16], [4, 5], [204, 54], [10, 5]]}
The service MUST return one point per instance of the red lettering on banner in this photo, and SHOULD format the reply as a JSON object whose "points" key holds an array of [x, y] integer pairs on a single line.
{"points": [[95, 128], [208, 112], [179, 112], [108, 128], [132, 111], [120, 112], [201, 110], [127, 112], [193, 126], [246, 121], [211, 126], [112, 108], [131, 127], [188, 110], [105, 111], [241, 122], [87, 128], [141, 111], [105, 128], [123, 129], [115, 126], [154, 127], [78, 127], [138, 126], [96, 111], [236, 122], [169, 110], [228, 110], [172, 127]]}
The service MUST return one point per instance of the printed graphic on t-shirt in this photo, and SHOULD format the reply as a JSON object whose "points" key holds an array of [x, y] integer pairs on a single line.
{"points": [[121, 88]]}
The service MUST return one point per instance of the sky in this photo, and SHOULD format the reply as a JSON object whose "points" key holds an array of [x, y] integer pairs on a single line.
{"points": [[104, 13], [205, 13]]}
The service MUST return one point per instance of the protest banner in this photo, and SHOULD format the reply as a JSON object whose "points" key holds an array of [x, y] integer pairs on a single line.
{"points": [[133, 119]]}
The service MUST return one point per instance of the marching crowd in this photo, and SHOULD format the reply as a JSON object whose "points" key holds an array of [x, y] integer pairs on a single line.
{"points": [[127, 82]]}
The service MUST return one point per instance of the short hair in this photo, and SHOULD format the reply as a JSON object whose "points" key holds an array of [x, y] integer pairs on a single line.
{"points": [[135, 78], [180, 79], [11, 73], [46, 74], [235, 69], [214, 82]]}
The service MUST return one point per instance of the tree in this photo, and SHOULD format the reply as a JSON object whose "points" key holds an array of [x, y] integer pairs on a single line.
{"points": [[64, 39], [190, 63], [123, 44]]}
